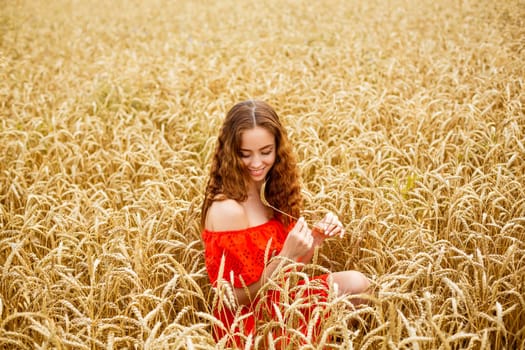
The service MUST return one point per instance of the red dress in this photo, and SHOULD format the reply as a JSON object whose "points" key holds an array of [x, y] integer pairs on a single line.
{"points": [[244, 253]]}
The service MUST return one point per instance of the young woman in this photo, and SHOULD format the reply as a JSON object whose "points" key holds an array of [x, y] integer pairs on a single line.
{"points": [[247, 242]]}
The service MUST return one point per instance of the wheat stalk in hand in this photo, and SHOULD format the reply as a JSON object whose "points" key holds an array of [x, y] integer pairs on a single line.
{"points": [[265, 202]]}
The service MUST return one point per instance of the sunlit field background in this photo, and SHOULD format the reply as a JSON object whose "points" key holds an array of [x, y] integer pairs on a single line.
{"points": [[408, 122]]}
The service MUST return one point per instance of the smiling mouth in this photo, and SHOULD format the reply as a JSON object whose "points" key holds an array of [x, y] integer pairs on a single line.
{"points": [[257, 172]]}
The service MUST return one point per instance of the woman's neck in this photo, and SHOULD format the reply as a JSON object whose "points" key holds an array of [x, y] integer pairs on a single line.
{"points": [[254, 189]]}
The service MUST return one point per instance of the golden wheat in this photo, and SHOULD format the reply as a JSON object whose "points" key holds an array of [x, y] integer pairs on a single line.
{"points": [[408, 122]]}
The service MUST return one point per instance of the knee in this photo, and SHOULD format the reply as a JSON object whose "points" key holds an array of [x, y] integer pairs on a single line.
{"points": [[351, 282]]}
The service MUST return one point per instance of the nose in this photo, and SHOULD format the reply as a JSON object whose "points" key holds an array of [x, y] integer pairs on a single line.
{"points": [[256, 161]]}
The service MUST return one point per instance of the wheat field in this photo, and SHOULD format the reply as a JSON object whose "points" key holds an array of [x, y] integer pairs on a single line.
{"points": [[408, 120]]}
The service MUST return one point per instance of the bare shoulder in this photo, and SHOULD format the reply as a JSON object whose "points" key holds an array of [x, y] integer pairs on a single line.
{"points": [[226, 215]]}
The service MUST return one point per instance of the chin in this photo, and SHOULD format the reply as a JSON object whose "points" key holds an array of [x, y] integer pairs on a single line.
{"points": [[258, 178]]}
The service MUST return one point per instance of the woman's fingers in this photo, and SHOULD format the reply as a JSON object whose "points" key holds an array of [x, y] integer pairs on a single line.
{"points": [[299, 226], [300, 240], [332, 225], [306, 234], [329, 221]]}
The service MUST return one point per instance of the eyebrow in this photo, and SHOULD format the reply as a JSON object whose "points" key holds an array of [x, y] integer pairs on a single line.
{"points": [[262, 148]]}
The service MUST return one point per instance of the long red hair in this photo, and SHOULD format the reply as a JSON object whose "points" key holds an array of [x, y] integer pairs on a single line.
{"points": [[228, 177]]}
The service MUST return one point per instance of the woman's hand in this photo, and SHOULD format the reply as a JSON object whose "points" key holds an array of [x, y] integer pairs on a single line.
{"points": [[329, 226], [299, 241]]}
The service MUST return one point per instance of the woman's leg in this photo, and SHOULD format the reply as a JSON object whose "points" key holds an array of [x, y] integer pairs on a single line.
{"points": [[351, 282]]}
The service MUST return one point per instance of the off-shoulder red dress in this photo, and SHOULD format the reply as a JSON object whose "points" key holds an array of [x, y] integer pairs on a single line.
{"points": [[244, 253]]}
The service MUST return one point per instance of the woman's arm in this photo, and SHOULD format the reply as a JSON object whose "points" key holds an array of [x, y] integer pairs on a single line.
{"points": [[300, 246], [229, 215], [329, 226], [298, 243], [245, 295]]}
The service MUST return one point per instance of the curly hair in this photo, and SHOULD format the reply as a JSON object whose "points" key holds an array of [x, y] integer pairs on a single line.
{"points": [[228, 178]]}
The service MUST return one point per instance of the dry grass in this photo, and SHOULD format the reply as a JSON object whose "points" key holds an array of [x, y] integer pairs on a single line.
{"points": [[408, 120]]}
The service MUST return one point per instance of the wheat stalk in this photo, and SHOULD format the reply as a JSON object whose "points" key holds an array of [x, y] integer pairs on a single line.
{"points": [[262, 192]]}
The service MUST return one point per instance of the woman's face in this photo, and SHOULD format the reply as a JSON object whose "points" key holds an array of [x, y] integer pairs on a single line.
{"points": [[258, 152]]}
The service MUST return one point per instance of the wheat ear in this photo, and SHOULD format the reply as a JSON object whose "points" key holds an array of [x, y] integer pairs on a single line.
{"points": [[265, 202]]}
